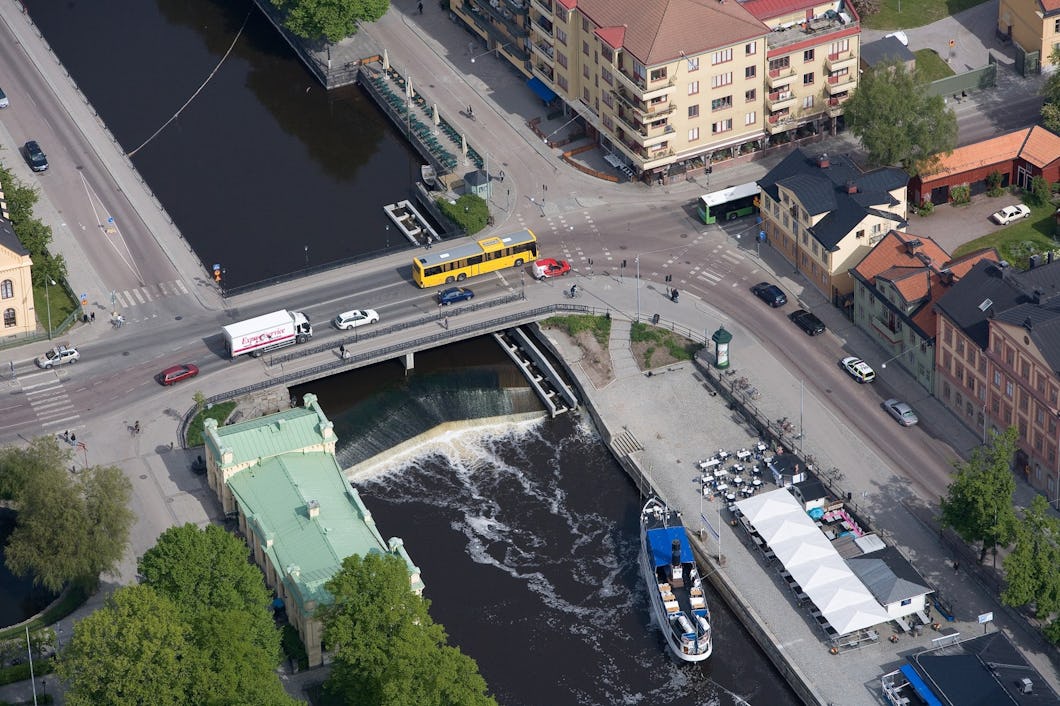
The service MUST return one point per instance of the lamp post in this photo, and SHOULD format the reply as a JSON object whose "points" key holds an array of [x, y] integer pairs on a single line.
{"points": [[893, 357], [496, 48], [48, 299], [637, 260]]}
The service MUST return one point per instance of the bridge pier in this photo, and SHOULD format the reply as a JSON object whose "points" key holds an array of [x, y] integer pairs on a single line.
{"points": [[409, 361]]}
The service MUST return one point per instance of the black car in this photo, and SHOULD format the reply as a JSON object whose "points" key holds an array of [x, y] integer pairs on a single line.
{"points": [[807, 322], [35, 156], [770, 293]]}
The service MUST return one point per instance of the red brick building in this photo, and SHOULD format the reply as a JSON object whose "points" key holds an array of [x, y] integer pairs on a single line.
{"points": [[1018, 156]]}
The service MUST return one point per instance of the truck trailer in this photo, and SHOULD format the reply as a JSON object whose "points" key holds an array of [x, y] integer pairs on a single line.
{"points": [[267, 332]]}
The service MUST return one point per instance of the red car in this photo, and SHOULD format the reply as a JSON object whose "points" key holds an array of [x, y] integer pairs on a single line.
{"points": [[550, 268], [177, 373]]}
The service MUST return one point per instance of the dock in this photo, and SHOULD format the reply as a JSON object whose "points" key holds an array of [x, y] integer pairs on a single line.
{"points": [[411, 224]]}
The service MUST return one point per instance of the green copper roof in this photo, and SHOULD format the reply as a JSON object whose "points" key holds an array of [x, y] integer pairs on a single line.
{"points": [[291, 430]]}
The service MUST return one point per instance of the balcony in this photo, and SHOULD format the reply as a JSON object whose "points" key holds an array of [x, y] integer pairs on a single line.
{"points": [[642, 111], [881, 327], [631, 84], [504, 14], [776, 124], [638, 130], [841, 84], [835, 105], [544, 72], [543, 51], [542, 6], [541, 25], [779, 77], [780, 99], [658, 135], [840, 60]]}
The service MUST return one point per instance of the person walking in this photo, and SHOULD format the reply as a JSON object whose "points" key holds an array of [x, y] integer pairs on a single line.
{"points": [[445, 323], [342, 351], [956, 566], [420, 7]]}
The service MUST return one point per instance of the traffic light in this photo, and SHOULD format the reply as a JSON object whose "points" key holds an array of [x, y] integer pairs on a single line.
{"points": [[217, 274]]}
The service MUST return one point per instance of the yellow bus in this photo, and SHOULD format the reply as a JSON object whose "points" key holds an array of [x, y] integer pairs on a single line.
{"points": [[457, 263]]}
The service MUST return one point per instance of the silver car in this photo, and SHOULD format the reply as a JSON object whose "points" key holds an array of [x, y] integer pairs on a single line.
{"points": [[3, 99], [901, 412]]}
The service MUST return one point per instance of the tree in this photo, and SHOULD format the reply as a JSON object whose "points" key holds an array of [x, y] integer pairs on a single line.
{"points": [[1051, 95], [978, 503], [387, 650], [897, 121], [133, 650], [1032, 569], [68, 528], [330, 19]]}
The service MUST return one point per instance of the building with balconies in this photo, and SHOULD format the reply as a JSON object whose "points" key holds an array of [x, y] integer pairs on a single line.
{"points": [[503, 25], [823, 214], [896, 287]]}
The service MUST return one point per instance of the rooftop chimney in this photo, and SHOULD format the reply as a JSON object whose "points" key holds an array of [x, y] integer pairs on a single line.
{"points": [[852, 188], [313, 507], [911, 246], [822, 161]]}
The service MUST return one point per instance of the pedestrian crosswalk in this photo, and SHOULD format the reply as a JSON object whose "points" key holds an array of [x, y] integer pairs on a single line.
{"points": [[127, 298], [52, 406]]}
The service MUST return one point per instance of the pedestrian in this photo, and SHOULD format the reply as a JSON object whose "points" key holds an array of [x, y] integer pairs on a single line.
{"points": [[445, 323], [470, 112], [92, 317], [342, 351], [420, 6], [136, 427], [955, 567], [73, 438], [66, 436]]}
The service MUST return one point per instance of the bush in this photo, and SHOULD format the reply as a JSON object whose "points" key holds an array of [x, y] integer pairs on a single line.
{"points": [[925, 209], [960, 194], [219, 412], [293, 647], [993, 184], [470, 212], [1041, 192]]}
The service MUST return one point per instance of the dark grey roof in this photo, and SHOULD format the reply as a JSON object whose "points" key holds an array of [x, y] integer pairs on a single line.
{"points": [[885, 50], [889, 576], [9, 240], [826, 191], [983, 671], [476, 178], [811, 489], [1013, 297]]}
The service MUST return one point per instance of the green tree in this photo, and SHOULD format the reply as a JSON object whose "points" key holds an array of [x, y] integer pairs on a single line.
{"points": [[978, 503], [1051, 95], [470, 212], [329, 19], [68, 528], [134, 650], [387, 650], [897, 121], [1032, 569]]}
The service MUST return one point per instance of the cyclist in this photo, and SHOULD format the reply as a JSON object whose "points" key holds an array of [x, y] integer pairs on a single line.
{"points": [[573, 290]]}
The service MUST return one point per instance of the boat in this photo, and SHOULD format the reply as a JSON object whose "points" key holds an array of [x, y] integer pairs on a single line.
{"points": [[675, 587], [429, 176]]}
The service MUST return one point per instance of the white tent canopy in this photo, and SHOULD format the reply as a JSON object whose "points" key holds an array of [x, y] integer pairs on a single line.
{"points": [[812, 561]]}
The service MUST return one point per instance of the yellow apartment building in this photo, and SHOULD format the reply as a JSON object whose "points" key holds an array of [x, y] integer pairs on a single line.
{"points": [[1033, 26], [668, 85], [17, 311]]}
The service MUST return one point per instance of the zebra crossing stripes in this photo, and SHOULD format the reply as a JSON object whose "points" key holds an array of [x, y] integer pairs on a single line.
{"points": [[46, 396], [139, 296]]}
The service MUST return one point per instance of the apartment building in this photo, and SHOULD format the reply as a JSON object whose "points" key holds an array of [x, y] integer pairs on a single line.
{"points": [[824, 215], [997, 357], [665, 85], [895, 290], [17, 310], [1034, 27]]}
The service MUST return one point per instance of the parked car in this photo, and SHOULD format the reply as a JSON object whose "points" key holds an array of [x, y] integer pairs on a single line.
{"points": [[454, 295], [35, 157], [3, 99], [901, 411], [59, 355], [770, 293], [358, 317], [548, 267], [858, 369], [807, 321], [175, 374], [1009, 214]]}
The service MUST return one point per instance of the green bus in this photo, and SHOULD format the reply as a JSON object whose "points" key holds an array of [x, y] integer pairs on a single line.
{"points": [[729, 203]]}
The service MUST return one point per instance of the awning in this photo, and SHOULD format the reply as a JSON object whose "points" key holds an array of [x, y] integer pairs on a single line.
{"points": [[543, 92], [919, 686]]}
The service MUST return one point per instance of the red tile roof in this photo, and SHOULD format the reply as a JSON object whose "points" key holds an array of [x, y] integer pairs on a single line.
{"points": [[1035, 144], [658, 31], [1042, 147], [612, 36], [768, 9]]}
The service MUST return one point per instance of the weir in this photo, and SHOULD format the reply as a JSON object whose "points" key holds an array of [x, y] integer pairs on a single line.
{"points": [[554, 393]]}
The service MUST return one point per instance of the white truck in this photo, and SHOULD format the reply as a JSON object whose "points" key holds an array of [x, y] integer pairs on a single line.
{"points": [[267, 332]]}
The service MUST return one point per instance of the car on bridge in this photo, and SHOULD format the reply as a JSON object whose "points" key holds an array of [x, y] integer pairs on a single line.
{"points": [[454, 295], [1009, 214], [543, 269], [358, 317]]}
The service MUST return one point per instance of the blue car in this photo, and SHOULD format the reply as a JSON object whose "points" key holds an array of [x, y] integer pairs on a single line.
{"points": [[455, 294]]}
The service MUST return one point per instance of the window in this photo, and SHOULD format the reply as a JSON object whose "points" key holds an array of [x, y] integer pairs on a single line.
{"points": [[606, 76], [720, 57], [562, 59], [721, 80], [721, 126], [607, 53], [997, 379], [693, 64], [693, 88], [693, 111], [721, 103], [807, 55], [839, 47], [750, 95], [1010, 355], [585, 95], [608, 123], [9, 318], [1008, 388], [779, 64], [693, 134], [751, 118], [585, 24], [7, 289], [585, 70], [1056, 26], [1025, 370], [561, 81], [609, 100], [561, 36], [750, 71], [807, 79], [750, 49], [807, 102], [658, 74], [585, 48]]}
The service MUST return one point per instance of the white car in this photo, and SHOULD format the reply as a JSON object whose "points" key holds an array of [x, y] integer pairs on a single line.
{"points": [[1010, 213], [901, 411], [61, 354], [352, 319], [858, 369]]}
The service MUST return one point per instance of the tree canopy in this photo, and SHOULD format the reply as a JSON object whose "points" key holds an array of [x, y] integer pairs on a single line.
{"points": [[1051, 95], [897, 121], [69, 528], [34, 235], [329, 19], [1032, 569], [387, 650]]}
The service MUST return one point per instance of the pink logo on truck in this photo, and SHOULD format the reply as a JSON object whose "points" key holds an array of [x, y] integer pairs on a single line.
{"points": [[277, 335]]}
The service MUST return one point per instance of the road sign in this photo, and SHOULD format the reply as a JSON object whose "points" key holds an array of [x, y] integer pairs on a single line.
{"points": [[986, 617], [761, 236]]}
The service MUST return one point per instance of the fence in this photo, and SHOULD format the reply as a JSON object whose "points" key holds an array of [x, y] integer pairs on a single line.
{"points": [[976, 79]]}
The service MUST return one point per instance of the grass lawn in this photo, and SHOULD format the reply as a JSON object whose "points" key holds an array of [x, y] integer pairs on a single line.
{"points": [[598, 326], [219, 412], [931, 66], [915, 13], [62, 305], [1020, 240], [648, 341]]}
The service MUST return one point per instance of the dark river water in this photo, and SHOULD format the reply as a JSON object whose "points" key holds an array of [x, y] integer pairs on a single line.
{"points": [[526, 533], [527, 536], [263, 163]]}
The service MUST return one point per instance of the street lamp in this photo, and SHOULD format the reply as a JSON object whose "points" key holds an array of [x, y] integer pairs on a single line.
{"points": [[893, 357], [48, 299], [479, 56], [637, 260]]}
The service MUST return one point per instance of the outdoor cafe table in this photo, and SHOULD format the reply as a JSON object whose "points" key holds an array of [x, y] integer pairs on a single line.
{"points": [[730, 497], [711, 463], [720, 472], [737, 480], [722, 487], [756, 482], [743, 454]]}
